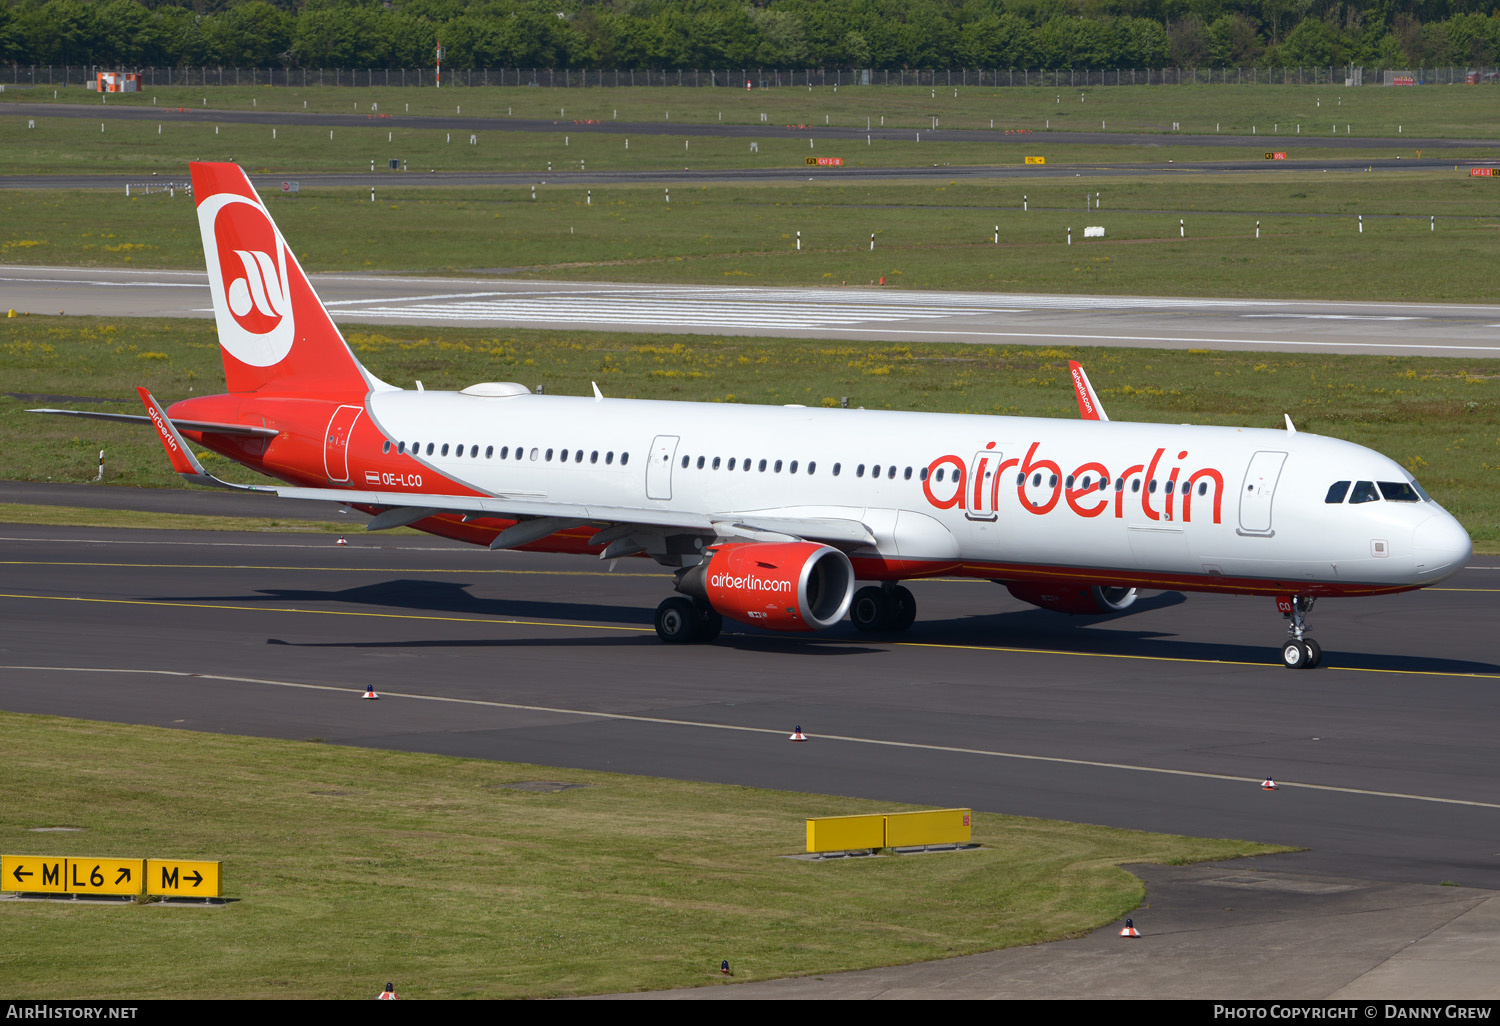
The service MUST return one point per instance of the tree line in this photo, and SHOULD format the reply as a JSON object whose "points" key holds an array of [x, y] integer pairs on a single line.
{"points": [[686, 34]]}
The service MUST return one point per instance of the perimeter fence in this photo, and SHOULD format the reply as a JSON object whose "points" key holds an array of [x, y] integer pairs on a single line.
{"points": [[755, 78]]}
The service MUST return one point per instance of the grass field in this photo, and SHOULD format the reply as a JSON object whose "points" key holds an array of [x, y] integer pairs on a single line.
{"points": [[1433, 111], [164, 148], [349, 867], [1438, 417], [926, 236]]}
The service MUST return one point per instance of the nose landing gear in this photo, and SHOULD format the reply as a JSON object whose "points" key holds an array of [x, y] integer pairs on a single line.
{"points": [[1300, 652]]}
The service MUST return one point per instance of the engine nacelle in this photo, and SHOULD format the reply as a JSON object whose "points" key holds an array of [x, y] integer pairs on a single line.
{"points": [[1066, 597], [782, 586]]}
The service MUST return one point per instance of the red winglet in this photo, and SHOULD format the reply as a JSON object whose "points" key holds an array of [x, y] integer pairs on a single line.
{"points": [[183, 460], [1088, 400]]}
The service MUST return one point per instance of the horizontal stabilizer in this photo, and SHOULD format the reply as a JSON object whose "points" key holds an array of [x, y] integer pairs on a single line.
{"points": [[206, 426]]}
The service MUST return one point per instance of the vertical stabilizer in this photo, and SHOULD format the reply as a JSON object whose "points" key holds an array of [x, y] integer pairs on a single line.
{"points": [[274, 334]]}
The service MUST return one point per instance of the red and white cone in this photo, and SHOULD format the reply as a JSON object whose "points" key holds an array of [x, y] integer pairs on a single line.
{"points": [[1269, 785], [342, 541], [1129, 929], [797, 734], [370, 692]]}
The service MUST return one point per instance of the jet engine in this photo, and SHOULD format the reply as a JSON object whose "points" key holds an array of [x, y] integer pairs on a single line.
{"points": [[782, 586], [1064, 597]]}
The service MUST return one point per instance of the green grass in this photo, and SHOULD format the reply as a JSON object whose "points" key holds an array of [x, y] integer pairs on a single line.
{"points": [[349, 867], [1435, 111], [166, 146], [74, 516], [938, 235], [1440, 417]]}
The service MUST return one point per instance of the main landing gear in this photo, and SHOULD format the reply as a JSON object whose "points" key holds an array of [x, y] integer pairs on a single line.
{"points": [[888, 607], [681, 620], [1300, 652]]}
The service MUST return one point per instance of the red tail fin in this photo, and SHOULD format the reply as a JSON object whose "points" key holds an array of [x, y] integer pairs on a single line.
{"points": [[274, 333]]}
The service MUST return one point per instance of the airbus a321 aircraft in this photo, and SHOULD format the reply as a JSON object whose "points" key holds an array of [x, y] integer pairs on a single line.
{"points": [[773, 515]]}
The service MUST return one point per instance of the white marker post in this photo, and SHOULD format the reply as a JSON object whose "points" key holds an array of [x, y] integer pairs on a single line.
{"points": [[872, 242], [101, 466], [1257, 229], [1070, 235], [1182, 228], [799, 242]]}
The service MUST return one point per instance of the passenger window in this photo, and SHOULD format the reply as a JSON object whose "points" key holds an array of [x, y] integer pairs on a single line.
{"points": [[563, 456], [1119, 484], [400, 448], [836, 468], [890, 472], [812, 467], [777, 466], [1202, 487], [716, 463], [939, 475], [578, 456], [609, 457], [1135, 485], [429, 448], [473, 452], [859, 471], [793, 467], [685, 462], [1364, 491], [385, 446], [1052, 481], [1036, 480], [700, 462], [535, 453], [1336, 492], [745, 463], [907, 475], [1151, 488], [1020, 480], [922, 473], [445, 449], [731, 463], [489, 452], [594, 456], [549, 455], [762, 466], [1398, 491], [624, 458]]}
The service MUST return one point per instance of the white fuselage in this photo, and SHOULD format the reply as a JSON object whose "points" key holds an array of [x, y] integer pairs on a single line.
{"points": [[1180, 504]]}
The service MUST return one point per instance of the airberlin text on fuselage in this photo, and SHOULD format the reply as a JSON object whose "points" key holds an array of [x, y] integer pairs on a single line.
{"points": [[1040, 486]]}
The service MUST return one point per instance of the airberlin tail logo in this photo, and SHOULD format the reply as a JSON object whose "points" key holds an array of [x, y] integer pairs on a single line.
{"points": [[248, 275]]}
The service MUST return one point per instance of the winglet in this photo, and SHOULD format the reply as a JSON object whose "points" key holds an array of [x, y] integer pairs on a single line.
{"points": [[1088, 400], [183, 460], [1291, 428]]}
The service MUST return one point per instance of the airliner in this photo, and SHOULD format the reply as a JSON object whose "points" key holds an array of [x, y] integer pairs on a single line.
{"points": [[789, 518]]}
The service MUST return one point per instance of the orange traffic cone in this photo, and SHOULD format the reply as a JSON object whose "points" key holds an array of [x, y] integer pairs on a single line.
{"points": [[797, 734], [1130, 930], [341, 541], [370, 692], [1269, 785]]}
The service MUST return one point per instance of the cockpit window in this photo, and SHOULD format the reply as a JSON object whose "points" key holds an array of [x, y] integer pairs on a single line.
{"points": [[1399, 491], [1337, 492], [1364, 491]]}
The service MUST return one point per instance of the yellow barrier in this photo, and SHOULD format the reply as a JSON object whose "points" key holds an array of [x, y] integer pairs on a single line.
{"points": [[940, 826], [842, 833], [893, 830]]}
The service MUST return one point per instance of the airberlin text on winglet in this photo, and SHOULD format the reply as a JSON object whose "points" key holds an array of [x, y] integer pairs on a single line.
{"points": [[171, 878]]}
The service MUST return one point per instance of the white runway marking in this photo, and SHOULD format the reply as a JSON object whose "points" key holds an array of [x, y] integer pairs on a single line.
{"points": [[1333, 317], [779, 732]]}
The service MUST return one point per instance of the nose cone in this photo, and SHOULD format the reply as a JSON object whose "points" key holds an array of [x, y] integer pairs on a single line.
{"points": [[1441, 547]]}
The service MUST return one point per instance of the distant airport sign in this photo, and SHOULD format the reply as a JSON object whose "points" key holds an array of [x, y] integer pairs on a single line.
{"points": [[43, 874], [1484, 172], [1036, 160], [1279, 155], [49, 874], [179, 878], [825, 161]]}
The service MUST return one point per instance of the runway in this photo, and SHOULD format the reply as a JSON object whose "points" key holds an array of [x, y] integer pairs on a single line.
{"points": [[1164, 720], [1392, 329]]}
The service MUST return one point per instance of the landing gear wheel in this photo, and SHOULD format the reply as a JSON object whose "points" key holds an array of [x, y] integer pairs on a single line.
{"points": [[677, 621], [1314, 653], [905, 613], [1296, 655], [872, 610]]}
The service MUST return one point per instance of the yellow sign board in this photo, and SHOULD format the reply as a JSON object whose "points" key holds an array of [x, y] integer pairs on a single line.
{"points": [[939, 826], [42, 874], [1036, 160], [182, 878], [845, 833]]}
